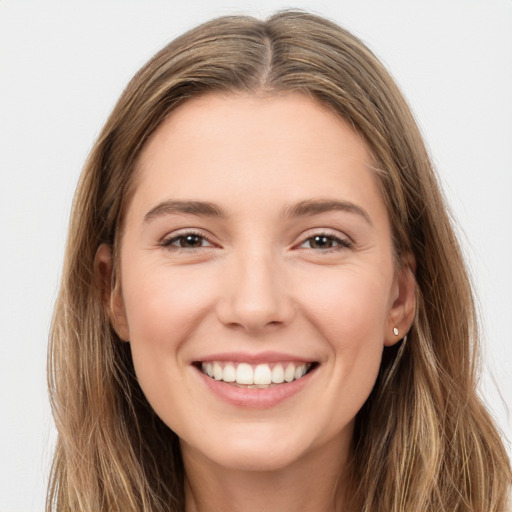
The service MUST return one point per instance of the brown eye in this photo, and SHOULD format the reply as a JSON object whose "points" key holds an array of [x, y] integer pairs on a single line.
{"points": [[323, 242], [187, 241], [190, 241]]}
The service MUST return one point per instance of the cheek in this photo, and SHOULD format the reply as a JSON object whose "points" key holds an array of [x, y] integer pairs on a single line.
{"points": [[350, 311], [164, 305], [163, 308], [350, 307]]}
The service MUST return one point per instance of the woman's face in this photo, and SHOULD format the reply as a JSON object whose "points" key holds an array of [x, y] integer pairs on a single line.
{"points": [[257, 247]]}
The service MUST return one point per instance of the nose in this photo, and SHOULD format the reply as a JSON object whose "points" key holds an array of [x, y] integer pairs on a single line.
{"points": [[255, 295]]}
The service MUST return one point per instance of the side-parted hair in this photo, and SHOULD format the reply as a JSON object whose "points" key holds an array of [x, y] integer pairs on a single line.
{"points": [[423, 440]]}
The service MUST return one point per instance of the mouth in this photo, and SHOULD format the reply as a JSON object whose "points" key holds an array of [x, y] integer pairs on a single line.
{"points": [[255, 376]]}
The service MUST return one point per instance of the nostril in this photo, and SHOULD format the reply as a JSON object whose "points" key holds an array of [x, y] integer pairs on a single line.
{"points": [[253, 324]]}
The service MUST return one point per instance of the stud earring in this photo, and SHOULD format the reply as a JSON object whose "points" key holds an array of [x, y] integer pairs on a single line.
{"points": [[395, 331]]}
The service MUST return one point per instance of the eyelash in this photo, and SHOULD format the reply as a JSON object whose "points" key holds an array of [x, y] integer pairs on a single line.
{"points": [[341, 243]]}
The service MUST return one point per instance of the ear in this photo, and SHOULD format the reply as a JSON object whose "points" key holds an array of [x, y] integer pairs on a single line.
{"points": [[401, 314], [110, 290]]}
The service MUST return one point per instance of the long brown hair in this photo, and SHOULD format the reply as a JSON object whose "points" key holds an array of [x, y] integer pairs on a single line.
{"points": [[423, 440]]}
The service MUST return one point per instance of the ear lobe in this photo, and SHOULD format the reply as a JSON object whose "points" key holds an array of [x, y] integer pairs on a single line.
{"points": [[402, 311], [110, 291]]}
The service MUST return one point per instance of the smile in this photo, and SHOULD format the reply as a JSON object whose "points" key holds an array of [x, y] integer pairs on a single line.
{"points": [[255, 376]]}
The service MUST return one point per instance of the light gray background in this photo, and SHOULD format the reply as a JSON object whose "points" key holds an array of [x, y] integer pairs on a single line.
{"points": [[62, 66]]}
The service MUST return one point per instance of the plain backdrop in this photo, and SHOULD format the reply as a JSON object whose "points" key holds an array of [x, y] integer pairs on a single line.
{"points": [[62, 66]]}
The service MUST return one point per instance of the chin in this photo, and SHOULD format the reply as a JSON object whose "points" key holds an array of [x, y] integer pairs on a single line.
{"points": [[257, 457], [258, 447]]}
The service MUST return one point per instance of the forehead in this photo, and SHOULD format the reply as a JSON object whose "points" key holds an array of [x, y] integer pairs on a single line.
{"points": [[256, 149]]}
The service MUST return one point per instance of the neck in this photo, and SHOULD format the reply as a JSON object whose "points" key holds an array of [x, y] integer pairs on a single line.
{"points": [[314, 483]]}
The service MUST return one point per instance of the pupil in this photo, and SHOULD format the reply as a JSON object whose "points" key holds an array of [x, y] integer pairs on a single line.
{"points": [[322, 242], [191, 241]]}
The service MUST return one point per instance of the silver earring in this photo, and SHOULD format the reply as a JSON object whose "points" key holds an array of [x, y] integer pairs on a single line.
{"points": [[395, 331]]}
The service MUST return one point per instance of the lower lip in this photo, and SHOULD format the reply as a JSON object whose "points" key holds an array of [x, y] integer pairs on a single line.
{"points": [[254, 398]]}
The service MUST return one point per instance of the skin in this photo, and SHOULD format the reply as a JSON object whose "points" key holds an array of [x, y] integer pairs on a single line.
{"points": [[258, 282]]}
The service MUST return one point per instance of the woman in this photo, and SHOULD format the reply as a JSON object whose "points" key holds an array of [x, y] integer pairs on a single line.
{"points": [[264, 305]]}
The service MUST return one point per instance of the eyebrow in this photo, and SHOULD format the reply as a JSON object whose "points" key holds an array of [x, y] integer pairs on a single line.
{"points": [[199, 208], [300, 209], [317, 206]]}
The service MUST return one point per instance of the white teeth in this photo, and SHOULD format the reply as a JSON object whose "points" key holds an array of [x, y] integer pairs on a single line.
{"points": [[244, 374], [299, 372], [289, 373], [217, 371], [262, 374], [259, 376], [277, 374], [229, 374]]}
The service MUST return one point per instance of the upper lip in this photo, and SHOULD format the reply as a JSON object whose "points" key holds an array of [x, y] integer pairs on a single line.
{"points": [[255, 358]]}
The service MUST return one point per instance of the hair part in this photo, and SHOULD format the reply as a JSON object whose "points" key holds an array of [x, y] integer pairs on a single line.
{"points": [[424, 441]]}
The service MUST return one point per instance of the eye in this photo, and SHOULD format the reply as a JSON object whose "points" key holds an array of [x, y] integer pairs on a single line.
{"points": [[325, 242], [187, 241]]}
